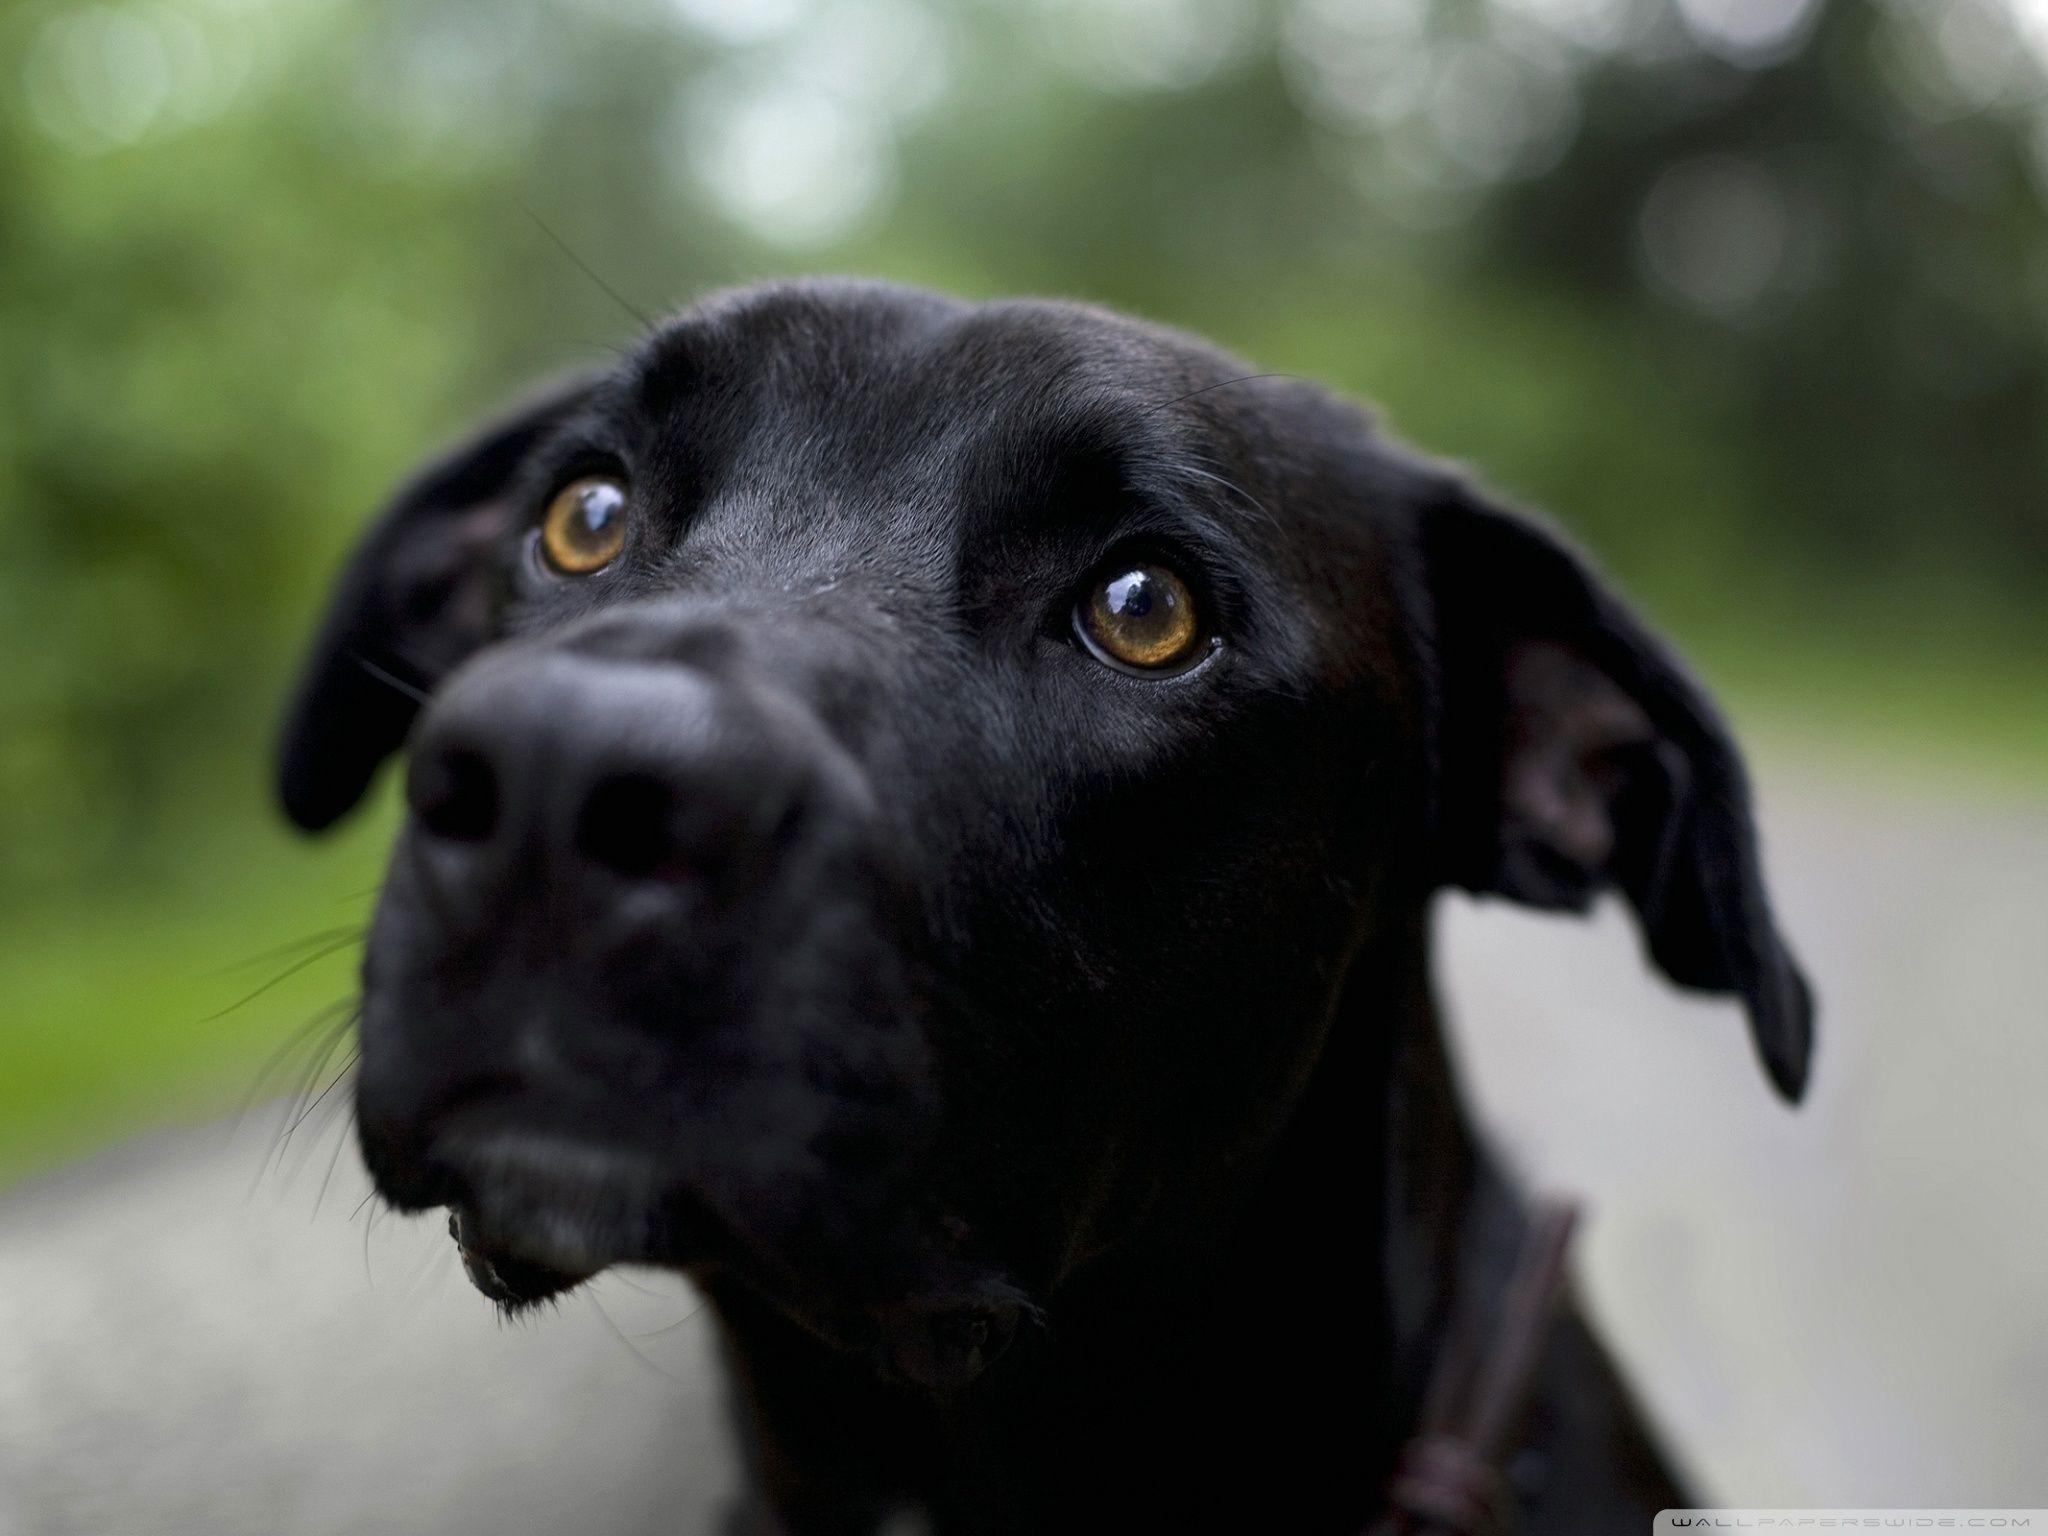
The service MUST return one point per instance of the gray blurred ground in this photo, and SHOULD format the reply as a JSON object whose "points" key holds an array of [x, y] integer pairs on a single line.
{"points": [[1844, 1305]]}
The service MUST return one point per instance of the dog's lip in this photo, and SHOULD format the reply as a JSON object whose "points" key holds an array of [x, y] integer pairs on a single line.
{"points": [[508, 1278], [535, 1214]]}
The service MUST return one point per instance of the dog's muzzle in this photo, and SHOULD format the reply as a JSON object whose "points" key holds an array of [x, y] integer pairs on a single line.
{"points": [[638, 991]]}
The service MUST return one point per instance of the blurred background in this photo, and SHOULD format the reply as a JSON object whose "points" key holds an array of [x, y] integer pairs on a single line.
{"points": [[1751, 294]]}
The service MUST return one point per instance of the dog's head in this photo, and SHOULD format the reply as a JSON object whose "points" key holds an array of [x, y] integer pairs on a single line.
{"points": [[895, 787]]}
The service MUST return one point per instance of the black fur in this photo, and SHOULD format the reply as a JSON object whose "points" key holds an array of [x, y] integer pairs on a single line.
{"points": [[1035, 1063]]}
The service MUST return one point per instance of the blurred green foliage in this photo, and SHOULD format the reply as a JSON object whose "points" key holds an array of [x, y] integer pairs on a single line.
{"points": [[1753, 294]]}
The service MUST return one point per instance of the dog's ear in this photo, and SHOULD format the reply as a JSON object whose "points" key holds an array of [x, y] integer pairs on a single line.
{"points": [[1573, 754], [412, 602]]}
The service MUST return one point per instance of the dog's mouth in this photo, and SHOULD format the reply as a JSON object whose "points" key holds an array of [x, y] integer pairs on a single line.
{"points": [[533, 1218], [504, 1275]]}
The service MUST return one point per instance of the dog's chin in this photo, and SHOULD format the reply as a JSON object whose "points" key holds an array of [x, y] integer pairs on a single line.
{"points": [[941, 1345], [537, 1217]]}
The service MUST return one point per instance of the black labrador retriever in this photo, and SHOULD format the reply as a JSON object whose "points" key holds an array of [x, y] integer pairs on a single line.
{"points": [[923, 816]]}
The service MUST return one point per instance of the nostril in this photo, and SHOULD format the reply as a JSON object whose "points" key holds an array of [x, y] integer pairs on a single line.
{"points": [[625, 825], [455, 795]]}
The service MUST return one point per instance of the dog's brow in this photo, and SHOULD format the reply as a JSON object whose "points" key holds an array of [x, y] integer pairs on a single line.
{"points": [[1097, 474]]}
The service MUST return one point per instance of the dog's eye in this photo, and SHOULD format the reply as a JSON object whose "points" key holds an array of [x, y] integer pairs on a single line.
{"points": [[585, 525], [1140, 618]]}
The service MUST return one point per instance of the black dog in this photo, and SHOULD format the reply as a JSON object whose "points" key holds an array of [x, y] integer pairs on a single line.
{"points": [[924, 817]]}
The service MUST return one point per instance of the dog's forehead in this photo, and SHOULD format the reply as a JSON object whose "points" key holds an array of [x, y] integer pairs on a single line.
{"points": [[842, 366]]}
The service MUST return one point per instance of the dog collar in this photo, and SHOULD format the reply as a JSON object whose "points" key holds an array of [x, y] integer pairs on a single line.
{"points": [[1449, 1480]]}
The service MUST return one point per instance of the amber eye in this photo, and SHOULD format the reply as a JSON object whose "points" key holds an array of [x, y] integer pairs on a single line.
{"points": [[1140, 618], [585, 525]]}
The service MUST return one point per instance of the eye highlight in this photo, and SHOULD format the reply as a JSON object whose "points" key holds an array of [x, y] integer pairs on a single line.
{"points": [[584, 527], [1139, 616]]}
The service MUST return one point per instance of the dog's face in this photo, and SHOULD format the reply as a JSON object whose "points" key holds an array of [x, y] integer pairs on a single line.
{"points": [[894, 788]]}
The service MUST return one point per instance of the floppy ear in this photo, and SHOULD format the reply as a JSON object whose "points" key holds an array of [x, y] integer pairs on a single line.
{"points": [[412, 602], [1574, 754]]}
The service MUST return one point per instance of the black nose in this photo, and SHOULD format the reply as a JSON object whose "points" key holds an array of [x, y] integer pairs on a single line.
{"points": [[600, 772]]}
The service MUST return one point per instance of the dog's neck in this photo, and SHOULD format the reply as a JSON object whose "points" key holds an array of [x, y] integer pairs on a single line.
{"points": [[1429, 1248], [1425, 1220], [1291, 1354]]}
